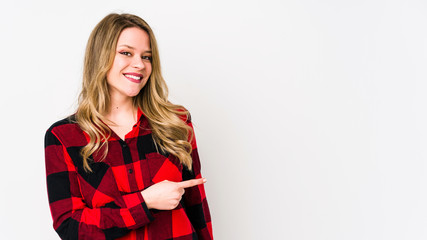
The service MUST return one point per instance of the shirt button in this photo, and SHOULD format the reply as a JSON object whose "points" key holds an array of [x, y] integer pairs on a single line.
{"points": [[124, 145], [130, 171]]}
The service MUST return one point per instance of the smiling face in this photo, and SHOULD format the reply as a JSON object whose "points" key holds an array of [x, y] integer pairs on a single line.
{"points": [[132, 64]]}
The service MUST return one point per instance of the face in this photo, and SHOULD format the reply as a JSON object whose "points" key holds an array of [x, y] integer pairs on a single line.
{"points": [[132, 64]]}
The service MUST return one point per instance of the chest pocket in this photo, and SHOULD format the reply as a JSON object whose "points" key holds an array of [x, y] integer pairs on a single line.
{"points": [[157, 165], [164, 168], [98, 187], [144, 173]]}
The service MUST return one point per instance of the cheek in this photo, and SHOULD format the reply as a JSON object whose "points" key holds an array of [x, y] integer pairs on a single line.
{"points": [[109, 76], [112, 73], [118, 64]]}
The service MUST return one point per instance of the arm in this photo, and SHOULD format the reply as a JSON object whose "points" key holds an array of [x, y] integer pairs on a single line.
{"points": [[194, 198], [72, 218]]}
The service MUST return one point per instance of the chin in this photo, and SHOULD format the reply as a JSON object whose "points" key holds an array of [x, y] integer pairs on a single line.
{"points": [[133, 93]]}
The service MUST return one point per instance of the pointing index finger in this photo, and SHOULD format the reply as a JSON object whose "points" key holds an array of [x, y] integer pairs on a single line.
{"points": [[192, 182]]}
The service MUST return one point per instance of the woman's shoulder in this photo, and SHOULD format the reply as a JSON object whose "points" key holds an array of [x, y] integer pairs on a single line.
{"points": [[184, 114], [63, 123], [66, 129]]}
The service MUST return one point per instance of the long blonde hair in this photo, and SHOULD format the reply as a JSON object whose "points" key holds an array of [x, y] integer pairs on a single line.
{"points": [[169, 131]]}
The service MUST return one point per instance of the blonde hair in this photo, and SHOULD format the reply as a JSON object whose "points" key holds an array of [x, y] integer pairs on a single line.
{"points": [[169, 131]]}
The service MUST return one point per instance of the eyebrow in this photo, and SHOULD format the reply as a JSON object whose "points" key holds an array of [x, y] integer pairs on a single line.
{"points": [[125, 45]]}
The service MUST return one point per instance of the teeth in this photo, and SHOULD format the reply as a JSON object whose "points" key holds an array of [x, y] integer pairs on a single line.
{"points": [[133, 77]]}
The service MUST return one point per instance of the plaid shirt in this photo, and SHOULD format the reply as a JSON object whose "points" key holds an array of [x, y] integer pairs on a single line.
{"points": [[107, 203]]}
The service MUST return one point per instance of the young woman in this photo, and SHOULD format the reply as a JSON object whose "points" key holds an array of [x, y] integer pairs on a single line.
{"points": [[125, 165]]}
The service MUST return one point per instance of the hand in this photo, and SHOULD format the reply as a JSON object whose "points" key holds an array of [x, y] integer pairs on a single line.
{"points": [[166, 195]]}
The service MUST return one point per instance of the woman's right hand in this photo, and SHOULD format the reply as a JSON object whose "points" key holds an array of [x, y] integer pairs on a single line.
{"points": [[166, 195]]}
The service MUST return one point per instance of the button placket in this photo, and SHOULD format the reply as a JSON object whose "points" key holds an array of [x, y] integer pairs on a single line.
{"points": [[129, 164]]}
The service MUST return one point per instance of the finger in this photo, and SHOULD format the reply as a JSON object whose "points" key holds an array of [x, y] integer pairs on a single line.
{"points": [[192, 182]]}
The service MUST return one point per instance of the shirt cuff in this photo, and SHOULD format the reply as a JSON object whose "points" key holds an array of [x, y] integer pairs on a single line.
{"points": [[138, 209]]}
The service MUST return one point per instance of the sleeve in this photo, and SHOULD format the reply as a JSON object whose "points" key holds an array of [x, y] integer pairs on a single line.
{"points": [[72, 218], [195, 202]]}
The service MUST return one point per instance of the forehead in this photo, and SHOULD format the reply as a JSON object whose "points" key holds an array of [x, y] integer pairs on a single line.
{"points": [[135, 38]]}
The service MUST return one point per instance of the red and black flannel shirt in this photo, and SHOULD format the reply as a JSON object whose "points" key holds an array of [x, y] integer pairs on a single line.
{"points": [[107, 203]]}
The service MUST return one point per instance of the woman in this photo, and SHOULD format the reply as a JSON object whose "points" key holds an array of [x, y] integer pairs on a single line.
{"points": [[125, 165]]}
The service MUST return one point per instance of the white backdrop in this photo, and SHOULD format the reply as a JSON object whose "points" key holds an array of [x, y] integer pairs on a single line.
{"points": [[310, 115]]}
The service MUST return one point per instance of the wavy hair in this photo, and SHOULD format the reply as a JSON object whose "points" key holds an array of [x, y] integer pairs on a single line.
{"points": [[169, 131]]}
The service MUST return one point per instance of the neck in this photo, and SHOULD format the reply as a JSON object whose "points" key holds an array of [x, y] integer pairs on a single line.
{"points": [[120, 107]]}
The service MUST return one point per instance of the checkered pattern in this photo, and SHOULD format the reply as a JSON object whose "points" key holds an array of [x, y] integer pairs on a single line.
{"points": [[107, 204]]}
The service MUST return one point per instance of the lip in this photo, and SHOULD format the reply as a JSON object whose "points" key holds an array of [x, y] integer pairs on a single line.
{"points": [[134, 74]]}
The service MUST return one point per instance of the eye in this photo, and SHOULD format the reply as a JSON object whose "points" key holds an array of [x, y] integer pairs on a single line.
{"points": [[126, 53], [149, 58]]}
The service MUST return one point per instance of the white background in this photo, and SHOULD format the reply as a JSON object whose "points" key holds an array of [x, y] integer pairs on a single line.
{"points": [[310, 115]]}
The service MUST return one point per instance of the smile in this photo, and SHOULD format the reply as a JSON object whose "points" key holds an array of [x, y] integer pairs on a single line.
{"points": [[133, 77]]}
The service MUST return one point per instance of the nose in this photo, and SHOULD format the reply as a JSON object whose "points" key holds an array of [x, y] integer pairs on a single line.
{"points": [[138, 63]]}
